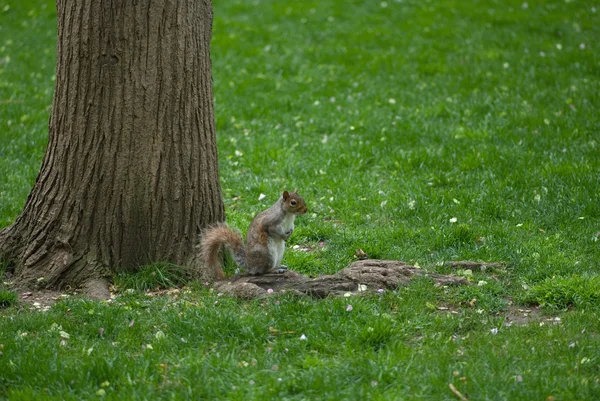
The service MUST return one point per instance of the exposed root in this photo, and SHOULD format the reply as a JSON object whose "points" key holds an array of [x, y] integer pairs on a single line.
{"points": [[361, 276], [97, 288]]}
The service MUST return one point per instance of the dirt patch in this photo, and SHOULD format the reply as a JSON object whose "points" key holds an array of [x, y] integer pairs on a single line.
{"points": [[521, 316], [40, 300], [514, 315], [474, 265]]}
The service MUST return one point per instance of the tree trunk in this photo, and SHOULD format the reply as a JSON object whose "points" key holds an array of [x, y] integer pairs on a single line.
{"points": [[130, 174]]}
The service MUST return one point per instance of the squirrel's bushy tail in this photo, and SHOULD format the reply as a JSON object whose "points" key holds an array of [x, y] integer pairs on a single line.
{"points": [[212, 240]]}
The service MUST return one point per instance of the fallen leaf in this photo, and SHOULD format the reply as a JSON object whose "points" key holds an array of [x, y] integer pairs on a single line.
{"points": [[360, 254]]}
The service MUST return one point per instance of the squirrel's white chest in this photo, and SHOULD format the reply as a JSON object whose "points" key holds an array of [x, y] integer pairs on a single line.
{"points": [[276, 249], [277, 244], [287, 224]]}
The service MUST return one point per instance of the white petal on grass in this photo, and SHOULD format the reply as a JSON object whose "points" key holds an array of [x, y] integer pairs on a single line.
{"points": [[453, 220], [348, 308], [303, 337], [261, 196], [494, 331]]}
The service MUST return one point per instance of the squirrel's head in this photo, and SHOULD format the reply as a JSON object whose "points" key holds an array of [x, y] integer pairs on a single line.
{"points": [[293, 203]]}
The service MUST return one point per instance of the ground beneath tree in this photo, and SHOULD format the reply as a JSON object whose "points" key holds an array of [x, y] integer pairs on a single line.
{"points": [[41, 300], [361, 277]]}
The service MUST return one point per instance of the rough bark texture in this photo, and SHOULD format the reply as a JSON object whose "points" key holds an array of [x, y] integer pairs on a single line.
{"points": [[362, 276], [130, 173]]}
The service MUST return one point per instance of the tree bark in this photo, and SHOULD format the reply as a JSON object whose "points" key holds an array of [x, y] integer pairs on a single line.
{"points": [[130, 174]]}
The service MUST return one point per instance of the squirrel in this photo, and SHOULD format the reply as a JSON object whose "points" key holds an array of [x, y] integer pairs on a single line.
{"points": [[265, 240]]}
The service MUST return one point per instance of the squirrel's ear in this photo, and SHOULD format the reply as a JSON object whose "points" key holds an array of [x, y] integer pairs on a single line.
{"points": [[286, 195]]}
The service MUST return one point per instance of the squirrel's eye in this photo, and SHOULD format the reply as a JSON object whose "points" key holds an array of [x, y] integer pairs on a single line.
{"points": [[293, 202]]}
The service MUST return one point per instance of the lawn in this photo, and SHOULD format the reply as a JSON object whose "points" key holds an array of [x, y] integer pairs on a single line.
{"points": [[424, 131]]}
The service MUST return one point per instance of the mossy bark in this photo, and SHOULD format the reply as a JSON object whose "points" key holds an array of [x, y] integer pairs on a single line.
{"points": [[130, 174]]}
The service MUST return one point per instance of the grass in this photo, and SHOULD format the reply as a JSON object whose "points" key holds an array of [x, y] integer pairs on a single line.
{"points": [[155, 276], [421, 131], [565, 292], [7, 298]]}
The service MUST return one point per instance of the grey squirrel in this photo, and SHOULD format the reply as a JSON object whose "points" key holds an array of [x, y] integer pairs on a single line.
{"points": [[265, 240]]}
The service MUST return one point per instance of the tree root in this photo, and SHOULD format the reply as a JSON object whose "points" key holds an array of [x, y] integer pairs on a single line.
{"points": [[362, 276], [96, 288]]}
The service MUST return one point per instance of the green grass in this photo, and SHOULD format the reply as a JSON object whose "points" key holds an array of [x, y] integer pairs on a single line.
{"points": [[200, 345], [155, 276], [425, 131], [564, 292], [7, 298]]}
